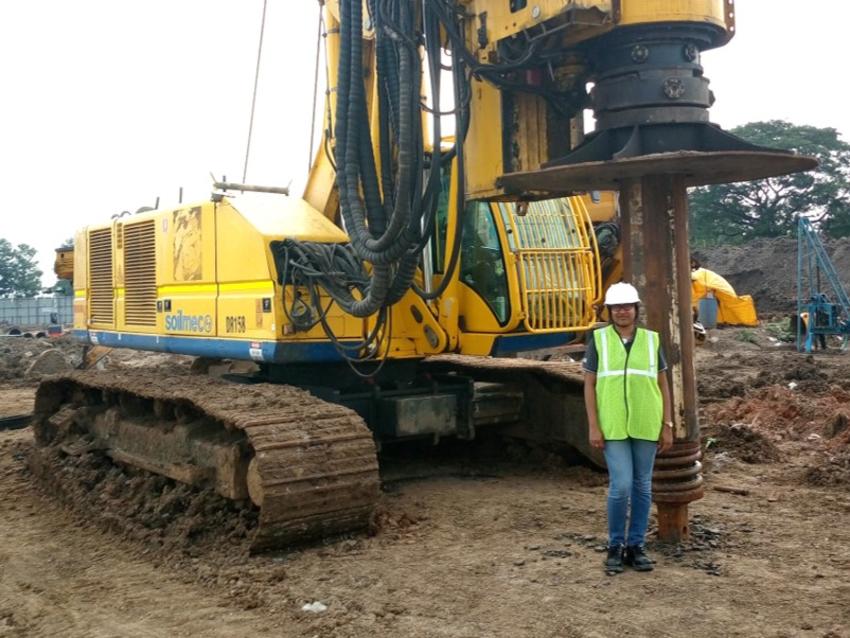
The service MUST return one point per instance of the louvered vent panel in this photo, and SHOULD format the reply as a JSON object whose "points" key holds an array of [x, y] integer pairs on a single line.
{"points": [[100, 276], [140, 274]]}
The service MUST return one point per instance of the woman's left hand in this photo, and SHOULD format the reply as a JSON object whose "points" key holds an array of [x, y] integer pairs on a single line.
{"points": [[666, 440]]}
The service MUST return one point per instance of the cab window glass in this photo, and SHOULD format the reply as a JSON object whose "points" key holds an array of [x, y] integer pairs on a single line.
{"points": [[438, 238], [506, 211], [482, 265]]}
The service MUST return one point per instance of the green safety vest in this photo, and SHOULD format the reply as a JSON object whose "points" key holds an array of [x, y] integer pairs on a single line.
{"points": [[628, 399]]}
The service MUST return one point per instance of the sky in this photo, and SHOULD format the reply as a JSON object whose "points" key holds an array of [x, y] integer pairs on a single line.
{"points": [[110, 104]]}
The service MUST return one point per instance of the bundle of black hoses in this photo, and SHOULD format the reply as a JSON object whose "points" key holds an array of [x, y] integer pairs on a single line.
{"points": [[390, 216], [310, 269], [388, 226]]}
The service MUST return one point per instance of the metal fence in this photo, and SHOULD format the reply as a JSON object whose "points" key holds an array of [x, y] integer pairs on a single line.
{"points": [[36, 312]]}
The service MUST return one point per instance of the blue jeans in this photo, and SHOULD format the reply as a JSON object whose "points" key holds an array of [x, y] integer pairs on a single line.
{"points": [[629, 478]]}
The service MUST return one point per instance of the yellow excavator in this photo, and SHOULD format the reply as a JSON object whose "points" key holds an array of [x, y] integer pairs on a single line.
{"points": [[386, 303]]}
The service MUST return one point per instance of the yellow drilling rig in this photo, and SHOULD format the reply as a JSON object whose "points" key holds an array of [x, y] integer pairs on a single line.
{"points": [[377, 305]]}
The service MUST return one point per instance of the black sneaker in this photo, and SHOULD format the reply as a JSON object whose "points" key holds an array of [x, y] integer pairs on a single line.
{"points": [[636, 558], [614, 562]]}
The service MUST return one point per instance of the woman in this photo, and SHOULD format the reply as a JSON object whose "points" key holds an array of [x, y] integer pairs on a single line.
{"points": [[628, 413]]}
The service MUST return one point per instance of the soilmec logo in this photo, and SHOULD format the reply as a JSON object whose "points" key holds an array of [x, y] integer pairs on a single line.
{"points": [[188, 323]]}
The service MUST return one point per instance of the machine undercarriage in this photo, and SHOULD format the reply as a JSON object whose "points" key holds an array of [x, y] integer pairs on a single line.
{"points": [[408, 250], [308, 466]]}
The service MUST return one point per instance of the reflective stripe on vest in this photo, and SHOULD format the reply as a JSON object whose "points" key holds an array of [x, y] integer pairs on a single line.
{"points": [[628, 398]]}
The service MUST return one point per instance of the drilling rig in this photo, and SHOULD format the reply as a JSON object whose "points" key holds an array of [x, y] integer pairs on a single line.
{"points": [[376, 305]]}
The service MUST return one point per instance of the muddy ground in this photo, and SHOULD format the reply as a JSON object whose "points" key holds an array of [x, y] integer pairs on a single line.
{"points": [[482, 540]]}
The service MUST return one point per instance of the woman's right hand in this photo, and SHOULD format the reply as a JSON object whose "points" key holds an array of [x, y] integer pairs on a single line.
{"points": [[596, 439]]}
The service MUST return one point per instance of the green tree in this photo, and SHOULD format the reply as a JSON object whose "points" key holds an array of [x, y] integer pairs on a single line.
{"points": [[19, 273], [62, 287], [7, 252], [735, 213]]}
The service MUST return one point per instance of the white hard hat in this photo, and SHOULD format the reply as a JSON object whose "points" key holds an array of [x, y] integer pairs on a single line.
{"points": [[621, 293]]}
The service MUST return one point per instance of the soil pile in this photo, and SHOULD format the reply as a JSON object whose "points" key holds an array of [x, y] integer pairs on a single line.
{"points": [[834, 471], [743, 442], [766, 403], [24, 361], [784, 413], [767, 269], [50, 361]]}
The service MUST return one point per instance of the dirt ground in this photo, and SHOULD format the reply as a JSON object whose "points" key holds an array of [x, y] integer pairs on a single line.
{"points": [[478, 540]]}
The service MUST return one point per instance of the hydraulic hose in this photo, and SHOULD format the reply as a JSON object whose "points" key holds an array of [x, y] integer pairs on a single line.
{"points": [[389, 214]]}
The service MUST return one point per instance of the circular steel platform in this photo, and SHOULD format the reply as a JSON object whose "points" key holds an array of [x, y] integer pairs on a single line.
{"points": [[698, 168]]}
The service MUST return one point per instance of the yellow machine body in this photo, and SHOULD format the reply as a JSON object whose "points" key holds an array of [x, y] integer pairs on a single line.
{"points": [[205, 272], [522, 132], [404, 250], [201, 279]]}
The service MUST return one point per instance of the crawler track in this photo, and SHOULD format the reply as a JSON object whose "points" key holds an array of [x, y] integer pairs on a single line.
{"points": [[310, 466]]}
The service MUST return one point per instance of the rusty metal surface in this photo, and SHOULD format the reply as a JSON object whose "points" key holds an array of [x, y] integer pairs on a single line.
{"points": [[662, 462], [678, 481], [316, 461], [695, 169], [686, 472], [656, 260], [682, 267], [567, 370]]}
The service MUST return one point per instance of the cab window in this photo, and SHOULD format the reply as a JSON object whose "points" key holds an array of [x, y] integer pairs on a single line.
{"points": [[441, 223], [482, 265]]}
